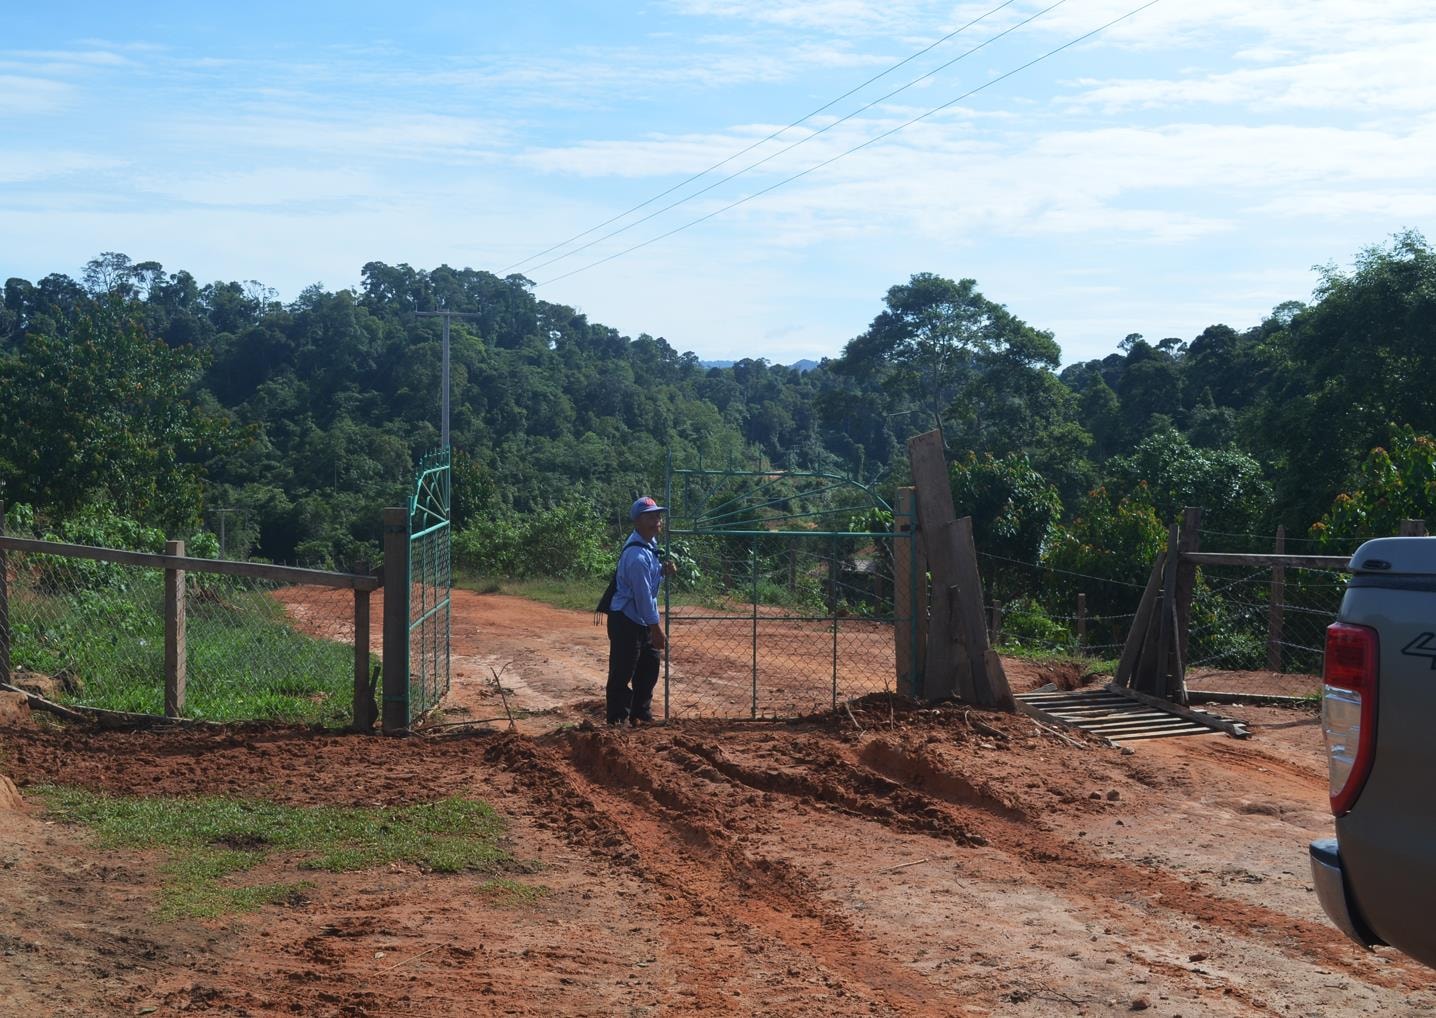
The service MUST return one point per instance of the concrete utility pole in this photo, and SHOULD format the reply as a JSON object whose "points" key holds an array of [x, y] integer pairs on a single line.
{"points": [[221, 514], [444, 382]]}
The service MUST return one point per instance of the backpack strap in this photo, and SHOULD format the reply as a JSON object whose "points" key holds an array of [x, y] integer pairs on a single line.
{"points": [[606, 600]]}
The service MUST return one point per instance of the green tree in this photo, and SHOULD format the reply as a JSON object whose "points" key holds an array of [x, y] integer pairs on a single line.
{"points": [[1012, 508], [1395, 482], [939, 343], [100, 412], [1358, 360], [1226, 483]]}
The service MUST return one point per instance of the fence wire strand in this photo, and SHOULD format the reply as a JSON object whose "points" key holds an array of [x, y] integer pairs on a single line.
{"points": [[93, 634]]}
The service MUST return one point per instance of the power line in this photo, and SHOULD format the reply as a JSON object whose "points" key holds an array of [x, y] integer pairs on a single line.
{"points": [[856, 148], [763, 141], [801, 141]]}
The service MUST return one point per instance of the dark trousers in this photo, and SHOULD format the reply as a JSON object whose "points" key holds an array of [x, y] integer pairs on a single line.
{"points": [[632, 658]]}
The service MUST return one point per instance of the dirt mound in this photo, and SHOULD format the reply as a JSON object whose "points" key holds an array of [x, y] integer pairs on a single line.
{"points": [[14, 708], [10, 800]]}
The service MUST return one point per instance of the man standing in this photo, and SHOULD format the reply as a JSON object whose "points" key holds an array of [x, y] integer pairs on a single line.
{"points": [[635, 633]]}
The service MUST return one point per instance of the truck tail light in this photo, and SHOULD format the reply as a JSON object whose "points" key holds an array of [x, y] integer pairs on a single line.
{"points": [[1348, 710]]}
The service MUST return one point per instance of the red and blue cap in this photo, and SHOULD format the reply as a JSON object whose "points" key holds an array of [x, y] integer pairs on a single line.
{"points": [[645, 505]]}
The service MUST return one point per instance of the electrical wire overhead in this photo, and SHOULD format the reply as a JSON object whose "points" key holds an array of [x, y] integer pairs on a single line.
{"points": [[762, 141], [857, 148], [801, 141]]}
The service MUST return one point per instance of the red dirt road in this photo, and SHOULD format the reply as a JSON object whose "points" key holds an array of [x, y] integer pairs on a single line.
{"points": [[944, 862]]}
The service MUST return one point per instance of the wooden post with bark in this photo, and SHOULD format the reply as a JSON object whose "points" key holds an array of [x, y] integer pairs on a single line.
{"points": [[1412, 528], [910, 622], [1275, 613], [960, 661], [364, 710], [176, 657]]}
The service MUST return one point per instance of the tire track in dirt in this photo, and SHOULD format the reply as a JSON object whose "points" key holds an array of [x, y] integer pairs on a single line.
{"points": [[1070, 869], [763, 907]]}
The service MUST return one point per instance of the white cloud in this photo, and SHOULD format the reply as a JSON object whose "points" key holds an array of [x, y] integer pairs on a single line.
{"points": [[22, 95], [1396, 77], [32, 165], [837, 16], [359, 135], [301, 189]]}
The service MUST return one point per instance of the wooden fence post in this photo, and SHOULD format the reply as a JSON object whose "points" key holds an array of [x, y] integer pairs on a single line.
{"points": [[909, 596], [1189, 540], [1130, 662], [995, 625], [1275, 621], [176, 657], [1081, 620], [1412, 528], [959, 659], [989, 681], [396, 620], [364, 710], [4, 605], [949, 671], [1167, 638]]}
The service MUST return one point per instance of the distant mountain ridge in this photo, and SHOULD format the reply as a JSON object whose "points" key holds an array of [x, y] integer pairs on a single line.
{"points": [[800, 366]]}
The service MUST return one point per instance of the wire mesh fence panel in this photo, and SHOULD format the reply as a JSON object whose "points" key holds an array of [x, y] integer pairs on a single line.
{"points": [[779, 623], [430, 583], [87, 632], [93, 634], [261, 649]]}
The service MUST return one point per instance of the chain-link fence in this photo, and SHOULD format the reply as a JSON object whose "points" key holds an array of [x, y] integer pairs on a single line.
{"points": [[781, 624], [93, 632]]}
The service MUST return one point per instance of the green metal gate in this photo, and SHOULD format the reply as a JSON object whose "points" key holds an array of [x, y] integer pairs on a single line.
{"points": [[430, 582], [794, 592]]}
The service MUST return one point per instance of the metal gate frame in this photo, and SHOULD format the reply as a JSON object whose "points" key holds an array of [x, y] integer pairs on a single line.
{"points": [[430, 583], [716, 512]]}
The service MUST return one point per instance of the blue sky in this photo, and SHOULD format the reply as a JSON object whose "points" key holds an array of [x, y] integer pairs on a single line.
{"points": [[1188, 166]]}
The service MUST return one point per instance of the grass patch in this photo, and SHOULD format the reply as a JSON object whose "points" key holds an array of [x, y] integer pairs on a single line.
{"points": [[211, 840], [1088, 665], [508, 893], [246, 661]]}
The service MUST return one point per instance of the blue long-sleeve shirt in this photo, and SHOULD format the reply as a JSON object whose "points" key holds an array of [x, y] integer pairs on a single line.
{"points": [[639, 575]]}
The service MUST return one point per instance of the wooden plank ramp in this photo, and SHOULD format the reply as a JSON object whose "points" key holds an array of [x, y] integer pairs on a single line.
{"points": [[1121, 715]]}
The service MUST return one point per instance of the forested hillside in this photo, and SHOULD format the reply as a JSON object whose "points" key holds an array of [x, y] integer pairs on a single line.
{"points": [[149, 395]]}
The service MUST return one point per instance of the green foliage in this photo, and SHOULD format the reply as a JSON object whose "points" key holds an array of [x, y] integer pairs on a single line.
{"points": [[1393, 483], [210, 839], [1112, 540], [105, 633], [1027, 627], [1359, 360], [98, 412], [565, 541], [1012, 506], [1227, 484], [125, 390]]}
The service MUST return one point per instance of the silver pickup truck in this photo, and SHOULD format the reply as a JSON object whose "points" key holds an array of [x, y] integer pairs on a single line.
{"points": [[1377, 878]]}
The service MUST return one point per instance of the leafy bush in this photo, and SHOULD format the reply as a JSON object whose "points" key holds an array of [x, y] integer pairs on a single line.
{"points": [[1392, 484], [563, 541], [1026, 626]]}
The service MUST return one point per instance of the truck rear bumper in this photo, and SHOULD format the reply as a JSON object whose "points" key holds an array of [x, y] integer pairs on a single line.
{"points": [[1330, 882]]}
